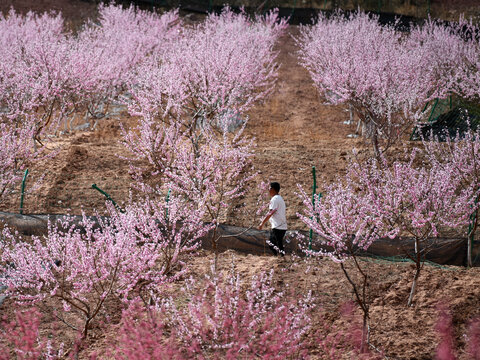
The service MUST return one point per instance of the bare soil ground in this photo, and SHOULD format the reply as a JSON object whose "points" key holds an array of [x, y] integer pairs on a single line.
{"points": [[294, 131]]}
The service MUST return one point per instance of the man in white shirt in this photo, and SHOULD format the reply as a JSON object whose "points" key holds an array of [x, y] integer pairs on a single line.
{"points": [[278, 220]]}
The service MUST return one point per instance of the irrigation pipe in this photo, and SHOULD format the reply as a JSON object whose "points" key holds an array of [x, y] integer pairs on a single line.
{"points": [[109, 198]]}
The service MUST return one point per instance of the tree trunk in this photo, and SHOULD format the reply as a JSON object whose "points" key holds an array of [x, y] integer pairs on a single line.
{"points": [[365, 334], [214, 247], [414, 285], [376, 149], [417, 272], [361, 301], [471, 234], [85, 329], [469, 251]]}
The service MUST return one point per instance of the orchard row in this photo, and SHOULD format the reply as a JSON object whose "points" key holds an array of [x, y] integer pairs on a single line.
{"points": [[189, 87]]}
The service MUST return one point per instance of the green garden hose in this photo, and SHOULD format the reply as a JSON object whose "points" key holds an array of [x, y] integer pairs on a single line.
{"points": [[109, 198]]}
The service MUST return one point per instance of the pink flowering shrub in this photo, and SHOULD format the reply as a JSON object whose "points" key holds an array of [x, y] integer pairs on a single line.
{"points": [[209, 173], [132, 254], [219, 322], [21, 337], [146, 335], [222, 321], [213, 175]]}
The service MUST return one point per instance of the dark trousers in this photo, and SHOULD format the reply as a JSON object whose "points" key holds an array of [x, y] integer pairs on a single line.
{"points": [[276, 241]]}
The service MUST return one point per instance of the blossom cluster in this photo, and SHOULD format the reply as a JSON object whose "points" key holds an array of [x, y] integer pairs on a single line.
{"points": [[406, 197], [127, 256], [224, 321], [51, 72], [385, 75], [191, 102]]}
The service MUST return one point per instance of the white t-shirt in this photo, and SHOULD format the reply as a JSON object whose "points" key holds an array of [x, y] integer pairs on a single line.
{"points": [[279, 219]]}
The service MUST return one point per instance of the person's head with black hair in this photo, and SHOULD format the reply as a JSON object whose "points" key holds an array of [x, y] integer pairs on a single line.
{"points": [[274, 188]]}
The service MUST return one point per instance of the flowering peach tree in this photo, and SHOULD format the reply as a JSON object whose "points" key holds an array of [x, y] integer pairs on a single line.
{"points": [[130, 255], [190, 100], [232, 323], [380, 199], [385, 75]]}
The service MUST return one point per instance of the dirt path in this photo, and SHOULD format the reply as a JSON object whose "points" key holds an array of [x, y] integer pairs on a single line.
{"points": [[295, 131]]}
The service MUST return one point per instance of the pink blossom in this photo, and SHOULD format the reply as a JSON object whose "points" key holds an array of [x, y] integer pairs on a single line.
{"points": [[225, 63], [132, 254], [386, 76], [220, 319], [47, 70], [17, 151], [380, 199]]}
